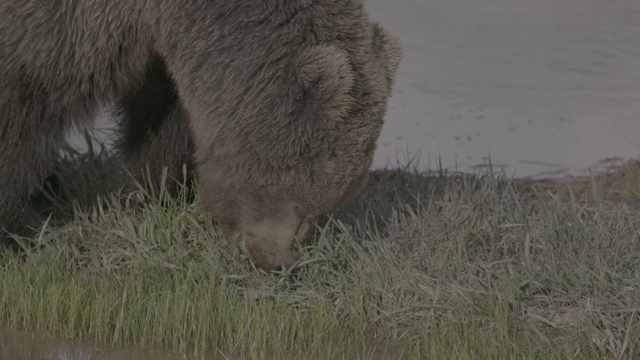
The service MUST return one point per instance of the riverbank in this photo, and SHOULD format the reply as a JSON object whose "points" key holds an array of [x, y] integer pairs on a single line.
{"points": [[421, 265]]}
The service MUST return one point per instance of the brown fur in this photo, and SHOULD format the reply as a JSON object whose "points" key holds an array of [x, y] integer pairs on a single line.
{"points": [[279, 101]]}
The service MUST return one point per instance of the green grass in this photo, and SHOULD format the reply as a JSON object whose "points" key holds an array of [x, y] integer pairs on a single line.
{"points": [[419, 266]]}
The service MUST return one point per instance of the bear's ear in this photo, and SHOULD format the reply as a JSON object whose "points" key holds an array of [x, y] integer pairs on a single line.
{"points": [[326, 78], [387, 47]]}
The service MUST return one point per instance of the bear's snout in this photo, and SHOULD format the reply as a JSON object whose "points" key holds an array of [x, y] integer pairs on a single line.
{"points": [[270, 243]]}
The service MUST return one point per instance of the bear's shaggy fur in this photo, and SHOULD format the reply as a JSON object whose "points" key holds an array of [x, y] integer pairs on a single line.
{"points": [[277, 104]]}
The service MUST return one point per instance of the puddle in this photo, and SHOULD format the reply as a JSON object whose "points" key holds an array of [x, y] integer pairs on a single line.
{"points": [[18, 345]]}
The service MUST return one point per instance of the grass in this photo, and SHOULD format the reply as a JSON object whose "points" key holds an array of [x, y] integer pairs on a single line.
{"points": [[421, 265]]}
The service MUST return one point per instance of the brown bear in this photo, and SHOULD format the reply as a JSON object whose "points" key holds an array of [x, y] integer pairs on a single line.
{"points": [[277, 103]]}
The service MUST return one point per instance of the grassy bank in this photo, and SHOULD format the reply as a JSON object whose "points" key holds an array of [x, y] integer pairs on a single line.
{"points": [[419, 266]]}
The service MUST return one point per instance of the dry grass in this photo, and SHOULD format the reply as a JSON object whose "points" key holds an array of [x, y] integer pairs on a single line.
{"points": [[419, 266]]}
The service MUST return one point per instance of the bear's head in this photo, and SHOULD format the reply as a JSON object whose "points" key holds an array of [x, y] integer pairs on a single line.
{"points": [[314, 150]]}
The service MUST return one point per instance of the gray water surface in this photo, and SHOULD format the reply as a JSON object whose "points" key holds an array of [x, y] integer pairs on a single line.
{"points": [[19, 345], [553, 82]]}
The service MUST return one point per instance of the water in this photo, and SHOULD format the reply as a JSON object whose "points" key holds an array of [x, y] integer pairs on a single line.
{"points": [[544, 87], [17, 345]]}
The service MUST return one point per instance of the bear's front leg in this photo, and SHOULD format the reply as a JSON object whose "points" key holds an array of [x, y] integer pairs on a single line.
{"points": [[154, 130], [28, 150]]}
